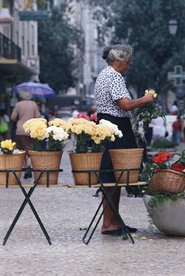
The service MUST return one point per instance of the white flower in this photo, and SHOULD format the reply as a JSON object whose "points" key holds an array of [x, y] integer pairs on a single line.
{"points": [[57, 133], [114, 127]]}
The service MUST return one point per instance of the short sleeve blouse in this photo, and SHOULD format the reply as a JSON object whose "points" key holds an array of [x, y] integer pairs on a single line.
{"points": [[109, 87]]}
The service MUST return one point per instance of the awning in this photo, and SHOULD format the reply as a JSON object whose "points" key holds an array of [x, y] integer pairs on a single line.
{"points": [[15, 67]]}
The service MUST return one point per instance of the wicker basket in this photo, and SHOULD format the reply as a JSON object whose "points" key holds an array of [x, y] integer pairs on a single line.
{"points": [[46, 160], [126, 159], [13, 161], [166, 181], [85, 161]]}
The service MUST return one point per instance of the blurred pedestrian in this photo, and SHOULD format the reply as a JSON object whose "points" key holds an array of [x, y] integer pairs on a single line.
{"points": [[74, 111], [4, 125], [174, 108], [24, 110], [177, 127]]}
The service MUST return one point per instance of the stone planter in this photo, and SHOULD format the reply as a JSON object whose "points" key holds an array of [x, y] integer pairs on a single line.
{"points": [[168, 216]]}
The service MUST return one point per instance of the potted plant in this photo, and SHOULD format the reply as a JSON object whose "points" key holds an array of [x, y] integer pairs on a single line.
{"points": [[48, 142], [10, 159], [88, 137], [166, 193]]}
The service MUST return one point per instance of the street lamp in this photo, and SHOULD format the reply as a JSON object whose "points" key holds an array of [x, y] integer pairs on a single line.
{"points": [[172, 25]]}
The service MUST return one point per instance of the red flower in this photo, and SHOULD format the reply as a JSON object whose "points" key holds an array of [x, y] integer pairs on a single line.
{"points": [[83, 116], [178, 167], [94, 117], [161, 157]]}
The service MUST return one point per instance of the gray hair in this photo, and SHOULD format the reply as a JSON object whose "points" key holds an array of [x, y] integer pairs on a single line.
{"points": [[120, 52]]}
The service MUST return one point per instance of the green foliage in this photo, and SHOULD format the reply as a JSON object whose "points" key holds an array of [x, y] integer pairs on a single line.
{"points": [[148, 112], [144, 24], [162, 143], [160, 198], [57, 40]]}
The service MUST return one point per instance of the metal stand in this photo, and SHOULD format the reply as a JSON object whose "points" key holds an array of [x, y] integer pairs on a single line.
{"points": [[108, 197], [27, 200]]}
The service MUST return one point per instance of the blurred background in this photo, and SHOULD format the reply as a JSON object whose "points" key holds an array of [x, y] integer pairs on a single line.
{"points": [[60, 43]]}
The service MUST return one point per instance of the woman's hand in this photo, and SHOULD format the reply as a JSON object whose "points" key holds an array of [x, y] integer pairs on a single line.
{"points": [[148, 98]]}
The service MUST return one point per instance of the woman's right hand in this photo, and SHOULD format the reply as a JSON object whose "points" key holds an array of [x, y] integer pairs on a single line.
{"points": [[148, 98]]}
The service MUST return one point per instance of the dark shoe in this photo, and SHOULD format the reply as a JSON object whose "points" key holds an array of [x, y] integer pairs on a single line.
{"points": [[26, 175], [29, 173], [131, 229], [117, 232]]}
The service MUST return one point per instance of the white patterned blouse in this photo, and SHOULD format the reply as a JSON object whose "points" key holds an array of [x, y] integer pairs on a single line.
{"points": [[109, 87]]}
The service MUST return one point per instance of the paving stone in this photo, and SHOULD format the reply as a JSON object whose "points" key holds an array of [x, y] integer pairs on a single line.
{"points": [[63, 212]]}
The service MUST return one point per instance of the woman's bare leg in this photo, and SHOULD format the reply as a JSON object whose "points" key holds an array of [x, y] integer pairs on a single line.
{"points": [[110, 219]]}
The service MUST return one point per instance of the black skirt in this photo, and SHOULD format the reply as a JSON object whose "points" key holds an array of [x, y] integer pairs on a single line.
{"points": [[126, 142]]}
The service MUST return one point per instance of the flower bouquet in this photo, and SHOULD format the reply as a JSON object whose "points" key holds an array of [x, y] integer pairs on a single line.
{"points": [[167, 177], [89, 136], [46, 138], [148, 112]]}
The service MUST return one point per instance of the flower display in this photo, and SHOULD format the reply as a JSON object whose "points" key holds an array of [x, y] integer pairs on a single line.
{"points": [[46, 138], [163, 160], [7, 147], [148, 112], [89, 135]]}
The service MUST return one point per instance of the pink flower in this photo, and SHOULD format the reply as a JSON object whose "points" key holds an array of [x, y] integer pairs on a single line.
{"points": [[83, 116], [94, 117]]}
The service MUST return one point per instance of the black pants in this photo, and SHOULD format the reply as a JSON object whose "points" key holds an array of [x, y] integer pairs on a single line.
{"points": [[126, 142]]}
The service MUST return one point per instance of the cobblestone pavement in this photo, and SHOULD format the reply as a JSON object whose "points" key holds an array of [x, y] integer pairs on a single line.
{"points": [[64, 212]]}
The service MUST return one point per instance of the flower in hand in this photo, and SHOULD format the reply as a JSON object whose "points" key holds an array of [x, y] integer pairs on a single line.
{"points": [[148, 112]]}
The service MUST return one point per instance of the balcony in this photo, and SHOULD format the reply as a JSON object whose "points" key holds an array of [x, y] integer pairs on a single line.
{"points": [[8, 49]]}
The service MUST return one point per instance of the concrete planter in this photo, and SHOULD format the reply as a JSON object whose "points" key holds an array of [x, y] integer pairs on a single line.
{"points": [[168, 216]]}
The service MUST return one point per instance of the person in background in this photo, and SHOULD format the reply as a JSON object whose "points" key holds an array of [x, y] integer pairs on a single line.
{"points": [[177, 127], [42, 113], [74, 111], [174, 108], [4, 125], [24, 110], [114, 104]]}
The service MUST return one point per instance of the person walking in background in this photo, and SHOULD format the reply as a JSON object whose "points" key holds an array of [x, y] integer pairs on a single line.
{"points": [[177, 127], [4, 125], [114, 104], [74, 111], [24, 110]]}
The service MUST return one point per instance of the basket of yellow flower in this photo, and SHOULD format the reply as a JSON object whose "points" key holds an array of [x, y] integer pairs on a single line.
{"points": [[48, 141], [89, 138], [10, 159]]}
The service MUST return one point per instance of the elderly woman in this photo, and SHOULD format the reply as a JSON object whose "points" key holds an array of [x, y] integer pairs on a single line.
{"points": [[24, 110], [114, 103]]}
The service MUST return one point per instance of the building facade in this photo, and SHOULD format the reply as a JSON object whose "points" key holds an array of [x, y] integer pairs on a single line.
{"points": [[19, 60]]}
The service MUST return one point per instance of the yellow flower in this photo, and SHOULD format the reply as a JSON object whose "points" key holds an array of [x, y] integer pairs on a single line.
{"points": [[7, 145], [152, 92], [36, 128], [58, 122]]}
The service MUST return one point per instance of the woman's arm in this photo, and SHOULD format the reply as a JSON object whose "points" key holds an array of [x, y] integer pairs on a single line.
{"points": [[128, 104]]}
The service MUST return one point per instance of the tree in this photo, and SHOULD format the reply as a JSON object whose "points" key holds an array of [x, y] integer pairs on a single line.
{"points": [[144, 25], [57, 41]]}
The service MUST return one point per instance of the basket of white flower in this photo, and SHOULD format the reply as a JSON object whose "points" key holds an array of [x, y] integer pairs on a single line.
{"points": [[48, 143]]}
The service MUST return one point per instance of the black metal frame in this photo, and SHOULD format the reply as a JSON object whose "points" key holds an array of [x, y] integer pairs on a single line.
{"points": [[108, 197], [27, 198]]}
